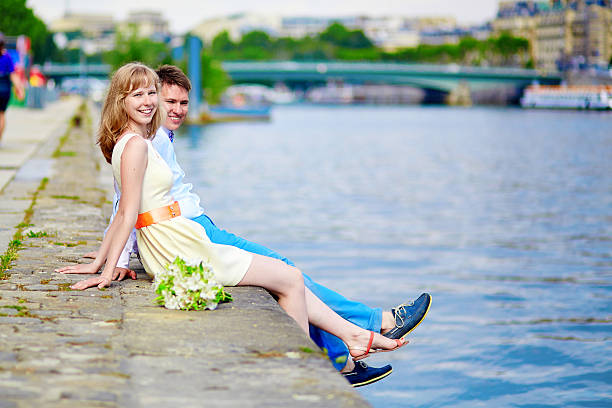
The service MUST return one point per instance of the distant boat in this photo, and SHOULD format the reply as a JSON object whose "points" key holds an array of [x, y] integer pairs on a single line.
{"points": [[258, 95], [237, 106], [567, 97], [236, 113]]}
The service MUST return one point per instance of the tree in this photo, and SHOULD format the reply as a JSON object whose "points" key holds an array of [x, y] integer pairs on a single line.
{"points": [[214, 79], [130, 47], [509, 47], [17, 19], [259, 39], [340, 36], [222, 43]]}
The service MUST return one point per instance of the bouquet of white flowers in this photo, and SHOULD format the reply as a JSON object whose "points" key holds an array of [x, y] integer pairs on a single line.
{"points": [[189, 285]]}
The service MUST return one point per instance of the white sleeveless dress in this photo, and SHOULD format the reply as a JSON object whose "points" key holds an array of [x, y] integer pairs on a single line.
{"points": [[159, 244]]}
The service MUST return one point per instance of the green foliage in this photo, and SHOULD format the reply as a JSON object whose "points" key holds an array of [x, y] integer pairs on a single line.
{"points": [[339, 43], [189, 286], [336, 42], [37, 234], [256, 39], [214, 79], [222, 43], [340, 36], [17, 19], [131, 47]]}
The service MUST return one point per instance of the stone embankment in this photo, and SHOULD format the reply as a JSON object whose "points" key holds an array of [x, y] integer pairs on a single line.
{"points": [[115, 348]]}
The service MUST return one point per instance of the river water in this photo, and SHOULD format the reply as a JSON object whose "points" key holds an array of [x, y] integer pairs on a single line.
{"points": [[503, 215]]}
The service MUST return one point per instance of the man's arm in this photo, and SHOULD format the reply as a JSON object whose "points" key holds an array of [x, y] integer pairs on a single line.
{"points": [[189, 202]]}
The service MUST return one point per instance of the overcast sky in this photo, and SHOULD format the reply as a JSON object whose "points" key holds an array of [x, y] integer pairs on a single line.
{"points": [[184, 14]]}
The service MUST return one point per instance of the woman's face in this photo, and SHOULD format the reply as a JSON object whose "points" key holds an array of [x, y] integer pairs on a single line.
{"points": [[141, 105]]}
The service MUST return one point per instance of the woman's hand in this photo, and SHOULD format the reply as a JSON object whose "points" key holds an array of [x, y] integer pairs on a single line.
{"points": [[91, 255], [99, 281], [78, 268], [118, 274]]}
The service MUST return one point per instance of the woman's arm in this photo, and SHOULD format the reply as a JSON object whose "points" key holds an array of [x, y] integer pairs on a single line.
{"points": [[133, 166]]}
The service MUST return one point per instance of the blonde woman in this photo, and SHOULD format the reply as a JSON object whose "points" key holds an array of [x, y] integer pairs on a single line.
{"points": [[130, 118]]}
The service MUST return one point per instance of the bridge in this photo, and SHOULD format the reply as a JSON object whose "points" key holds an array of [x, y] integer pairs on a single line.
{"points": [[434, 79], [442, 78], [61, 71]]}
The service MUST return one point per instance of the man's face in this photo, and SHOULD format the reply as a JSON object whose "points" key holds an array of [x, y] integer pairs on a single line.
{"points": [[176, 101]]}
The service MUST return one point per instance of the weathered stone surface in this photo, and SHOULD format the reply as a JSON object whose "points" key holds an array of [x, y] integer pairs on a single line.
{"points": [[115, 348]]}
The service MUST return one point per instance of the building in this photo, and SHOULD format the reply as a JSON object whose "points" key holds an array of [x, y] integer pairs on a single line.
{"points": [[389, 33], [92, 33], [454, 35], [563, 34], [237, 25], [149, 24], [517, 18]]}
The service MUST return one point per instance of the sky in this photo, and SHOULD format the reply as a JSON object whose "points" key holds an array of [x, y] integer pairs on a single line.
{"points": [[185, 14]]}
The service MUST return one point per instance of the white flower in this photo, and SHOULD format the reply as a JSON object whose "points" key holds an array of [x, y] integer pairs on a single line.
{"points": [[171, 303], [193, 262], [188, 285]]}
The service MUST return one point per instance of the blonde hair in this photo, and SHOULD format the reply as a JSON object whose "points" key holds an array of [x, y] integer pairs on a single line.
{"points": [[115, 120]]}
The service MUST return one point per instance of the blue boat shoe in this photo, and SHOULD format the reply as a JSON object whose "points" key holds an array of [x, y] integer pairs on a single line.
{"points": [[363, 374], [408, 316]]}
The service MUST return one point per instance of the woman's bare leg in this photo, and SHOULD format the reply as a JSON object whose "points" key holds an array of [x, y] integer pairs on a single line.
{"points": [[285, 281], [320, 315], [303, 306]]}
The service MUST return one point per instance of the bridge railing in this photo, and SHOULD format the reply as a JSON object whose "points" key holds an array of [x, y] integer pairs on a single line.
{"points": [[377, 67], [63, 70]]}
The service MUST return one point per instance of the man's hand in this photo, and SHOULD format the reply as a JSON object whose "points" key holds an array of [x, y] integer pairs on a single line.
{"points": [[120, 274], [91, 255], [99, 281], [78, 268]]}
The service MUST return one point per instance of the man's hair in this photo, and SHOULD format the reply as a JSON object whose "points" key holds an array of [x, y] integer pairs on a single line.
{"points": [[171, 75], [2, 41]]}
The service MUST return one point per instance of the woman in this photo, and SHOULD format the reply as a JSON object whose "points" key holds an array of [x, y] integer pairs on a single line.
{"points": [[130, 118], [8, 77]]}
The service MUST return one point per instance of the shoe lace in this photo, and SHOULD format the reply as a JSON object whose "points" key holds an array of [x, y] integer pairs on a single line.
{"points": [[399, 313]]}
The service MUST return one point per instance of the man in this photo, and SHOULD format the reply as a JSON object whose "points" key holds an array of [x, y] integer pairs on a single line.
{"points": [[395, 324]]}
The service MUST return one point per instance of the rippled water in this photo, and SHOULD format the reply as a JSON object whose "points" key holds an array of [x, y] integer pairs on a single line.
{"points": [[503, 215]]}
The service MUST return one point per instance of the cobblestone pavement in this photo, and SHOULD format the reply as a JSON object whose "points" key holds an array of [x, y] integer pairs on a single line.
{"points": [[114, 348]]}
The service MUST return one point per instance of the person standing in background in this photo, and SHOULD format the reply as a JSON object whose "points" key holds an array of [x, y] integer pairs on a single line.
{"points": [[8, 77]]}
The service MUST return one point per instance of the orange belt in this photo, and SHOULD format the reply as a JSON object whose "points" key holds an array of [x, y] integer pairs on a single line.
{"points": [[158, 215]]}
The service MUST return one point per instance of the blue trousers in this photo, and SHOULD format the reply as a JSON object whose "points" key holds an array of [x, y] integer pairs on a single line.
{"points": [[355, 312]]}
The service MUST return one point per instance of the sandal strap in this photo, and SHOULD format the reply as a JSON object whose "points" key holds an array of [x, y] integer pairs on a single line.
{"points": [[370, 342]]}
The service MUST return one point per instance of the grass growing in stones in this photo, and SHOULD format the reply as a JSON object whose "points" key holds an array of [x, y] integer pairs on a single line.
{"points": [[10, 255], [37, 234], [65, 154], [70, 244], [23, 225], [22, 311], [66, 197], [64, 287]]}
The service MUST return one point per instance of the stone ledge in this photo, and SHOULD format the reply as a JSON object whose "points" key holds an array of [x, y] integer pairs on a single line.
{"points": [[115, 348]]}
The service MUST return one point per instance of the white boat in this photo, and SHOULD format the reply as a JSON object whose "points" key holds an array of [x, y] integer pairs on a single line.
{"points": [[567, 97]]}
